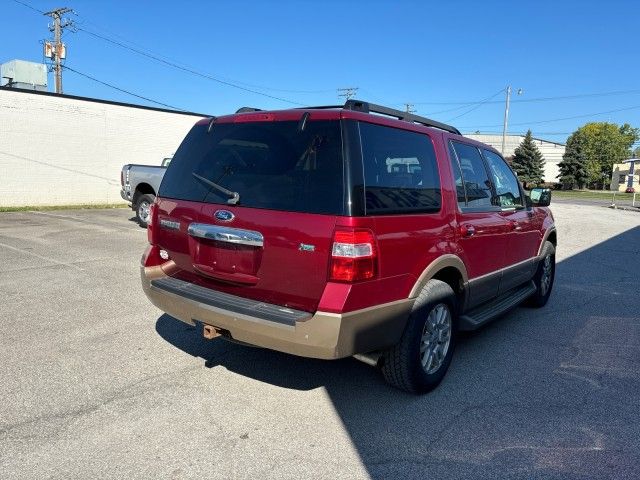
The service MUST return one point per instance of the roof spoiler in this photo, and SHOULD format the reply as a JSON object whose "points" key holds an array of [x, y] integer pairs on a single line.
{"points": [[248, 109]]}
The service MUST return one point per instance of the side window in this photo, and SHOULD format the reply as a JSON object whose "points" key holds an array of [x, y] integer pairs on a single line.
{"points": [[400, 171], [457, 176], [474, 174], [505, 182]]}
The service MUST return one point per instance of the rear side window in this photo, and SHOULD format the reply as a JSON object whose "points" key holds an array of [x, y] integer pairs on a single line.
{"points": [[474, 175], [400, 171], [505, 182], [269, 165], [457, 176]]}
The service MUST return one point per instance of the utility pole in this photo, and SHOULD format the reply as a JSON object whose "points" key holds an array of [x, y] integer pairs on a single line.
{"points": [[58, 47], [347, 92], [409, 108], [506, 116]]}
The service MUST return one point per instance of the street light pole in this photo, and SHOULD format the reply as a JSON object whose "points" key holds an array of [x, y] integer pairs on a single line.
{"points": [[506, 116]]}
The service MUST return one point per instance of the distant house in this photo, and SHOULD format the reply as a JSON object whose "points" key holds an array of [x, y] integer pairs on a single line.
{"points": [[625, 175], [552, 152]]}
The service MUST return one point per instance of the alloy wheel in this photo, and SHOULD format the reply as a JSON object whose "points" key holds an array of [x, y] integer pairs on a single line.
{"points": [[436, 337], [143, 211]]}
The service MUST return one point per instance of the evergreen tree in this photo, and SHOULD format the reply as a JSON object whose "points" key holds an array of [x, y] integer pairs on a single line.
{"points": [[528, 162], [573, 167]]}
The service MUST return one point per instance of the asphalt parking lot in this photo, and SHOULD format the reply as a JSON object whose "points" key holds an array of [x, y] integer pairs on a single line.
{"points": [[96, 382], [604, 201]]}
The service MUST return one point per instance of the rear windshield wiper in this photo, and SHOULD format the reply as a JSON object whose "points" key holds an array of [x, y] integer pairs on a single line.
{"points": [[234, 196]]}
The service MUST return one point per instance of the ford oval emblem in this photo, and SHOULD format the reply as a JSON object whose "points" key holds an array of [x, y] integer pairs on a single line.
{"points": [[224, 215]]}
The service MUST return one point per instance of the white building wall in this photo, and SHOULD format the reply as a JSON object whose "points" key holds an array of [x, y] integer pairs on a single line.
{"points": [[552, 152], [61, 151]]}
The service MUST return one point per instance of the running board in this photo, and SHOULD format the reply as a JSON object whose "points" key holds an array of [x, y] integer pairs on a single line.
{"points": [[505, 302]]}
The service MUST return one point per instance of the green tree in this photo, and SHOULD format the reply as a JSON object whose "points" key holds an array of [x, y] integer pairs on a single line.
{"points": [[528, 161], [573, 167], [606, 144]]}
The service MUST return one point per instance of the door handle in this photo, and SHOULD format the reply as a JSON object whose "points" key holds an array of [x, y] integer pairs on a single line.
{"points": [[226, 234], [467, 230]]}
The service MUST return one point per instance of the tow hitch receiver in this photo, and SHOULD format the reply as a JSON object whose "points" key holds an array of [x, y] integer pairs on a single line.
{"points": [[210, 332]]}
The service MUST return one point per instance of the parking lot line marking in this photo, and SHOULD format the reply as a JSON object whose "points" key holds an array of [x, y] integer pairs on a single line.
{"points": [[40, 267], [10, 247], [81, 220]]}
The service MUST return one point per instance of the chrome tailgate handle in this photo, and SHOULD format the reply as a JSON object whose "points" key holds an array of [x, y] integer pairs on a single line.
{"points": [[226, 234]]}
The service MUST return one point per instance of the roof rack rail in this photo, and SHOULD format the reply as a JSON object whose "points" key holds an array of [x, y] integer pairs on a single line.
{"points": [[248, 109], [366, 107], [319, 107]]}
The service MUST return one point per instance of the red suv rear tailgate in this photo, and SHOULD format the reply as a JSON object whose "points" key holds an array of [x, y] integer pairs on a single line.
{"points": [[289, 269]]}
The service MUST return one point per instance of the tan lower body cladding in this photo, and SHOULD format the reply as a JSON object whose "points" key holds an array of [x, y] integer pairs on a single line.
{"points": [[324, 335]]}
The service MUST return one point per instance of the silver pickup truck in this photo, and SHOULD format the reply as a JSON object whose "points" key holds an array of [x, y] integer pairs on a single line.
{"points": [[140, 185]]}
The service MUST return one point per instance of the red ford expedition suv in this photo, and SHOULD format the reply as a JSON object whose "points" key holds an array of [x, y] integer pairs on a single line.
{"points": [[359, 230]]}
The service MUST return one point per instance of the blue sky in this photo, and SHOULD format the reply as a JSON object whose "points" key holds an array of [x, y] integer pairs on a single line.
{"points": [[431, 54]]}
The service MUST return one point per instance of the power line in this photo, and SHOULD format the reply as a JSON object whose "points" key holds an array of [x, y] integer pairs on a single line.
{"points": [[238, 85], [489, 132], [189, 69], [146, 50], [582, 95], [186, 69], [449, 109], [481, 102], [369, 94], [540, 122], [478, 105], [468, 103], [66, 67], [540, 99], [29, 6], [347, 92]]}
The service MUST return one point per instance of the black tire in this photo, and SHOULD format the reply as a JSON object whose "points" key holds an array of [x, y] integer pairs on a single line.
{"points": [[142, 205], [543, 289], [402, 364]]}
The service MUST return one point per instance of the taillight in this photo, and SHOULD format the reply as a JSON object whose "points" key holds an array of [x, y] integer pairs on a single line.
{"points": [[354, 256], [121, 178], [151, 224]]}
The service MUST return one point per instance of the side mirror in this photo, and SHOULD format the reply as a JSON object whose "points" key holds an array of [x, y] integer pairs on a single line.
{"points": [[540, 197]]}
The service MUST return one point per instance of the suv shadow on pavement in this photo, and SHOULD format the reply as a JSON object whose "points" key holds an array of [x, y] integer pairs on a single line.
{"points": [[536, 394]]}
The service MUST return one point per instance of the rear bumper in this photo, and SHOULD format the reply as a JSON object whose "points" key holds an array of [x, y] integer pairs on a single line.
{"points": [[319, 335], [125, 194]]}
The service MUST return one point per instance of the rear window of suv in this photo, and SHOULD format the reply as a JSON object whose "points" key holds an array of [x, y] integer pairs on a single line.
{"points": [[400, 171], [269, 165]]}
